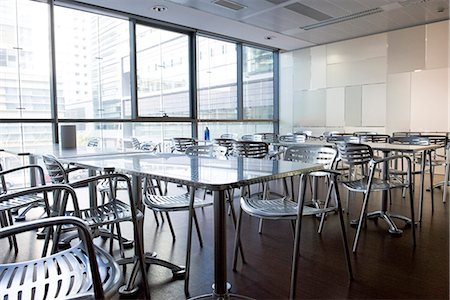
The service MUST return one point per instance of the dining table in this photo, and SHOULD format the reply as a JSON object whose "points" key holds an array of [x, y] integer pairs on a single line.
{"points": [[216, 175]]}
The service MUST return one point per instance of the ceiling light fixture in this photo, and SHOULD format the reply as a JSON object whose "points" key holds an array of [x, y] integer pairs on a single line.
{"points": [[269, 37], [159, 8]]}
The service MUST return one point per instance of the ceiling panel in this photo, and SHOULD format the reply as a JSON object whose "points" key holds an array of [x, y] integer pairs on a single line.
{"points": [[259, 19]]}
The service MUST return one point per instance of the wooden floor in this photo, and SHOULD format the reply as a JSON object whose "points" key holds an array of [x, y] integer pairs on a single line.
{"points": [[385, 267]]}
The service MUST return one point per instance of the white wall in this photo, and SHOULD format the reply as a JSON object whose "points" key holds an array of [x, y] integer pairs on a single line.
{"points": [[393, 81]]}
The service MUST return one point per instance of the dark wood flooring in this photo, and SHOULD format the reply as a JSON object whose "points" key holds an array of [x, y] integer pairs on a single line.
{"points": [[385, 267]]}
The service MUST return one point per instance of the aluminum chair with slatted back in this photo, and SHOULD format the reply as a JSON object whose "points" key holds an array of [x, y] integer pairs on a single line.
{"points": [[374, 138], [84, 271], [158, 201], [27, 201], [111, 212], [225, 142], [93, 142], [180, 144], [405, 133], [232, 136], [343, 139], [268, 137], [361, 155], [286, 208], [314, 154], [98, 216], [251, 149]]}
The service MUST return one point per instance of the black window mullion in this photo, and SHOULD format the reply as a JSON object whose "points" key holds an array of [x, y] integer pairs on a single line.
{"points": [[133, 71], [240, 85], [53, 87], [276, 94], [193, 83]]}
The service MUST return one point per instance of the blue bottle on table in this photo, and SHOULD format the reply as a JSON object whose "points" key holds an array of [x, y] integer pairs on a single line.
{"points": [[206, 136]]}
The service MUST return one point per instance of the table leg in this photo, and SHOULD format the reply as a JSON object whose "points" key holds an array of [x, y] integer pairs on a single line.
{"points": [[447, 174], [422, 183]]}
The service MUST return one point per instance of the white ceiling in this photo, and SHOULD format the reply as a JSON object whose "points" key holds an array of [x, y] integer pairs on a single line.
{"points": [[290, 24]]}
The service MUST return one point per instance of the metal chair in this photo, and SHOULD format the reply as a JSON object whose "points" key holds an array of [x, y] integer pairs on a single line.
{"points": [[226, 142], [251, 149], [343, 139], [156, 200], [374, 138], [29, 200], [111, 212], [232, 136], [405, 133], [93, 142], [292, 138], [268, 137], [286, 208], [213, 151], [147, 146], [180, 144], [359, 133], [313, 154], [361, 155], [84, 271]]}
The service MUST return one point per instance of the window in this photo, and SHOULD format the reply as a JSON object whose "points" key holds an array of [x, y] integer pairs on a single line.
{"points": [[258, 83], [163, 86], [24, 60], [216, 80], [105, 45]]}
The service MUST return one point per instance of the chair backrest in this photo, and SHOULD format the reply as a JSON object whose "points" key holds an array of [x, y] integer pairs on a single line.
{"points": [[55, 170], [343, 138], [93, 142], [250, 149], [405, 133], [207, 151], [312, 154], [308, 133], [268, 137], [229, 136], [326, 134], [199, 150], [374, 138], [248, 137], [410, 140], [359, 133], [292, 138], [135, 143], [225, 142], [180, 144], [354, 154], [3, 187], [440, 140]]}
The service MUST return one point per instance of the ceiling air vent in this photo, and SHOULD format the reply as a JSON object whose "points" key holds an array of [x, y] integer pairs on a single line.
{"points": [[345, 18], [229, 4]]}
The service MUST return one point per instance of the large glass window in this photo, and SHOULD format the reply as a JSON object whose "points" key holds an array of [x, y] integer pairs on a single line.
{"points": [[162, 72], [237, 129], [216, 79], [24, 60], [257, 83], [92, 60]]}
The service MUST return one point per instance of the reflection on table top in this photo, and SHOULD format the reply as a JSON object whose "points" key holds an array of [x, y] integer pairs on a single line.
{"points": [[58, 152], [214, 174]]}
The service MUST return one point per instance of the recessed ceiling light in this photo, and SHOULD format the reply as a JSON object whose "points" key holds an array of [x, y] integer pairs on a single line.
{"points": [[159, 8]]}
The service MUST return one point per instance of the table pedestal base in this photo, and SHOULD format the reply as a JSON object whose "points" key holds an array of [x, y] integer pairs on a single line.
{"points": [[387, 217]]}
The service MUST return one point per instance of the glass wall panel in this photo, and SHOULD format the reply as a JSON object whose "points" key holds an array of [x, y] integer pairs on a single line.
{"points": [[258, 83], [216, 79], [238, 129], [92, 62], [162, 72], [118, 135], [16, 135], [24, 60]]}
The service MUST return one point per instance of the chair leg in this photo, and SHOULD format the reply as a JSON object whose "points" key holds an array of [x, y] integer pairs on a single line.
{"points": [[189, 242], [298, 230], [260, 226], [233, 218], [197, 229], [361, 221], [170, 226], [327, 201], [343, 231], [14, 239], [237, 239], [431, 182]]}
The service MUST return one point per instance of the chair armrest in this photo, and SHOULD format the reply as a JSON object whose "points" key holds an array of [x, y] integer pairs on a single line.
{"points": [[393, 157], [37, 167]]}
